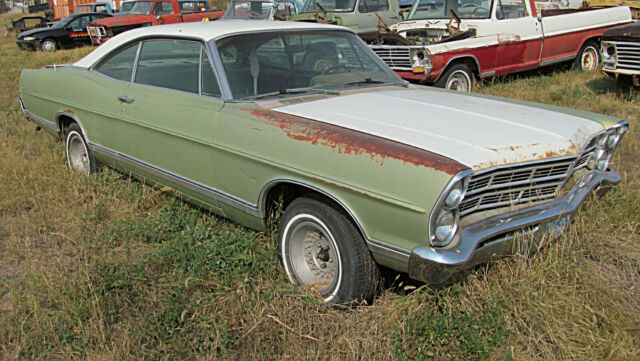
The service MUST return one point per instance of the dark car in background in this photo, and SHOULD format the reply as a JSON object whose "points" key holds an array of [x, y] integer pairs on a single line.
{"points": [[620, 47], [69, 32]]}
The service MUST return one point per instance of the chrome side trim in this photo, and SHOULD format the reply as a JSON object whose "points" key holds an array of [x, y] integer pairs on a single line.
{"points": [[488, 74], [39, 120], [376, 246], [558, 60], [186, 183]]}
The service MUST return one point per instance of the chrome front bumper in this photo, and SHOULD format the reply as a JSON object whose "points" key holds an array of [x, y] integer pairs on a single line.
{"points": [[499, 236]]}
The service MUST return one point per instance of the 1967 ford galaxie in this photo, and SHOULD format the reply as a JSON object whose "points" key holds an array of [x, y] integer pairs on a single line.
{"points": [[241, 116]]}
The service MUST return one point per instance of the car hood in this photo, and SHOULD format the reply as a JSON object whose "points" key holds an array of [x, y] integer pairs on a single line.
{"points": [[115, 21], [629, 32], [475, 131], [32, 32]]}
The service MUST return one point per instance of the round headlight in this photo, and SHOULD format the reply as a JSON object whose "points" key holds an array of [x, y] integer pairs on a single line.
{"points": [[612, 140], [603, 163], [602, 141], [621, 130], [610, 50], [455, 196], [446, 226]]}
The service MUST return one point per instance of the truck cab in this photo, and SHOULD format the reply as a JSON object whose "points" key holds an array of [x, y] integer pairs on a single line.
{"points": [[361, 16]]}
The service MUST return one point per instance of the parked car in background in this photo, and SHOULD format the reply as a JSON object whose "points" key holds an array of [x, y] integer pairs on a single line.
{"points": [[361, 16], [621, 54], [239, 118], [67, 33], [262, 9], [99, 7], [448, 43], [152, 12]]}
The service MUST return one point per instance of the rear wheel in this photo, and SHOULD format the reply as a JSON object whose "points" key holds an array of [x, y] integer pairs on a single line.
{"points": [[322, 249], [588, 57], [48, 45], [79, 157], [458, 77]]}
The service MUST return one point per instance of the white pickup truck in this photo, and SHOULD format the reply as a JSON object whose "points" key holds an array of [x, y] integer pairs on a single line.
{"points": [[448, 42]]}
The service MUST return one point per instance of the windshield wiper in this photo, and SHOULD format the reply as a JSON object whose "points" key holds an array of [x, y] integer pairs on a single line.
{"points": [[374, 81], [294, 91]]}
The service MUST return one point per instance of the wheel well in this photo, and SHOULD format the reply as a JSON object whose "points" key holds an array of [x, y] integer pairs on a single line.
{"points": [[279, 197], [64, 122], [595, 40], [467, 60]]}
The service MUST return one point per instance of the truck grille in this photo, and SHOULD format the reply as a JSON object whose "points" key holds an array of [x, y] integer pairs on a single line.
{"points": [[397, 58], [518, 184], [628, 55]]}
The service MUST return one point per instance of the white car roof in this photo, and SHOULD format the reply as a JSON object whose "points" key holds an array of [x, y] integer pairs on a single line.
{"points": [[200, 30]]}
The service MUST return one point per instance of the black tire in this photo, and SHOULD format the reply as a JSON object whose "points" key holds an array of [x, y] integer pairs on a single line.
{"points": [[588, 58], [457, 77], [79, 157], [48, 45], [313, 233]]}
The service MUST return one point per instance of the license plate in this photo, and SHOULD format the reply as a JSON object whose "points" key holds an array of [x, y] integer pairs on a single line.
{"points": [[557, 227]]}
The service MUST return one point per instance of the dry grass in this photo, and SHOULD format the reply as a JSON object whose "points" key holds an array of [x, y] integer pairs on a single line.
{"points": [[106, 268]]}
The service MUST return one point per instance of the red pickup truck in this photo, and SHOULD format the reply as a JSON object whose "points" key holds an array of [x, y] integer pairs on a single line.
{"points": [[152, 12]]}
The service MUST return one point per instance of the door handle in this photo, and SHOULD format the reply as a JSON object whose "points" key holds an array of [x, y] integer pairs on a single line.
{"points": [[126, 99]]}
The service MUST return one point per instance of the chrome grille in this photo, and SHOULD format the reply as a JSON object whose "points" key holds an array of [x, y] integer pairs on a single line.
{"points": [[518, 184], [397, 58], [628, 55]]}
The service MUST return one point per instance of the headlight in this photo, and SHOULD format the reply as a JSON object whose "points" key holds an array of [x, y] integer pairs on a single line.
{"points": [[28, 38], [445, 217], [421, 62], [609, 54], [606, 144]]}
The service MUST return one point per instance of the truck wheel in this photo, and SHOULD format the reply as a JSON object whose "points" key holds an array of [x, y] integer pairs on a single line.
{"points": [[322, 249], [48, 45], [588, 57], [78, 155], [457, 77]]}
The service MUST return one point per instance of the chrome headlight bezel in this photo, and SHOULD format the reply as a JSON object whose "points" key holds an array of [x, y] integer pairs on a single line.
{"points": [[420, 60], [446, 205], [606, 144], [609, 53]]}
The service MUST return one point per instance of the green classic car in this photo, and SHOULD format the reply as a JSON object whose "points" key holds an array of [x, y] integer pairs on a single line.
{"points": [[247, 117]]}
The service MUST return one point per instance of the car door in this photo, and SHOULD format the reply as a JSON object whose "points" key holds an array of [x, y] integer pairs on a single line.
{"points": [[519, 36], [368, 21], [78, 35], [168, 115], [164, 13]]}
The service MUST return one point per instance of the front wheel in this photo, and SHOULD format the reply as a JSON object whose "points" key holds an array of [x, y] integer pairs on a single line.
{"points": [[79, 157], [588, 57], [322, 249], [458, 77], [48, 45]]}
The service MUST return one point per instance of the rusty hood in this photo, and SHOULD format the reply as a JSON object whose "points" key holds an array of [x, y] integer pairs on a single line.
{"points": [[116, 21], [629, 32], [477, 132]]}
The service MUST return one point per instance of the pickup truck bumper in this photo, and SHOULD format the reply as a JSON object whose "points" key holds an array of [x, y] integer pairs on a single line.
{"points": [[505, 234]]}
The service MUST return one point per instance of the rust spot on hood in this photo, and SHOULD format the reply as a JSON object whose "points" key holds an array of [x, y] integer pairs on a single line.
{"points": [[347, 141], [69, 111]]}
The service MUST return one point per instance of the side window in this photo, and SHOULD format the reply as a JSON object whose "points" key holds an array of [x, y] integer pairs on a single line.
{"points": [[172, 64], [209, 83], [511, 9], [120, 65], [371, 6], [101, 9], [80, 23], [163, 8]]}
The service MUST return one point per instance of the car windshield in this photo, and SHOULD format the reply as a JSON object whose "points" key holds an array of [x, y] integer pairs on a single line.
{"points": [[141, 8], [83, 9], [440, 9], [64, 22], [127, 6], [275, 64], [345, 6]]}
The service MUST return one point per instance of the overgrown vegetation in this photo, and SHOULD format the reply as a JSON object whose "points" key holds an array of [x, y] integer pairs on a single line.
{"points": [[108, 268]]}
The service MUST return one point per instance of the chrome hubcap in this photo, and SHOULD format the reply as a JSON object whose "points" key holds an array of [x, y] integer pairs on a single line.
{"points": [[459, 81], [77, 154], [313, 256], [48, 46]]}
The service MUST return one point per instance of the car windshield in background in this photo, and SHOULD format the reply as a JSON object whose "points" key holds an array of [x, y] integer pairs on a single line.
{"points": [[141, 8], [346, 6], [126, 6], [249, 10], [275, 64], [439, 9], [64, 22]]}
